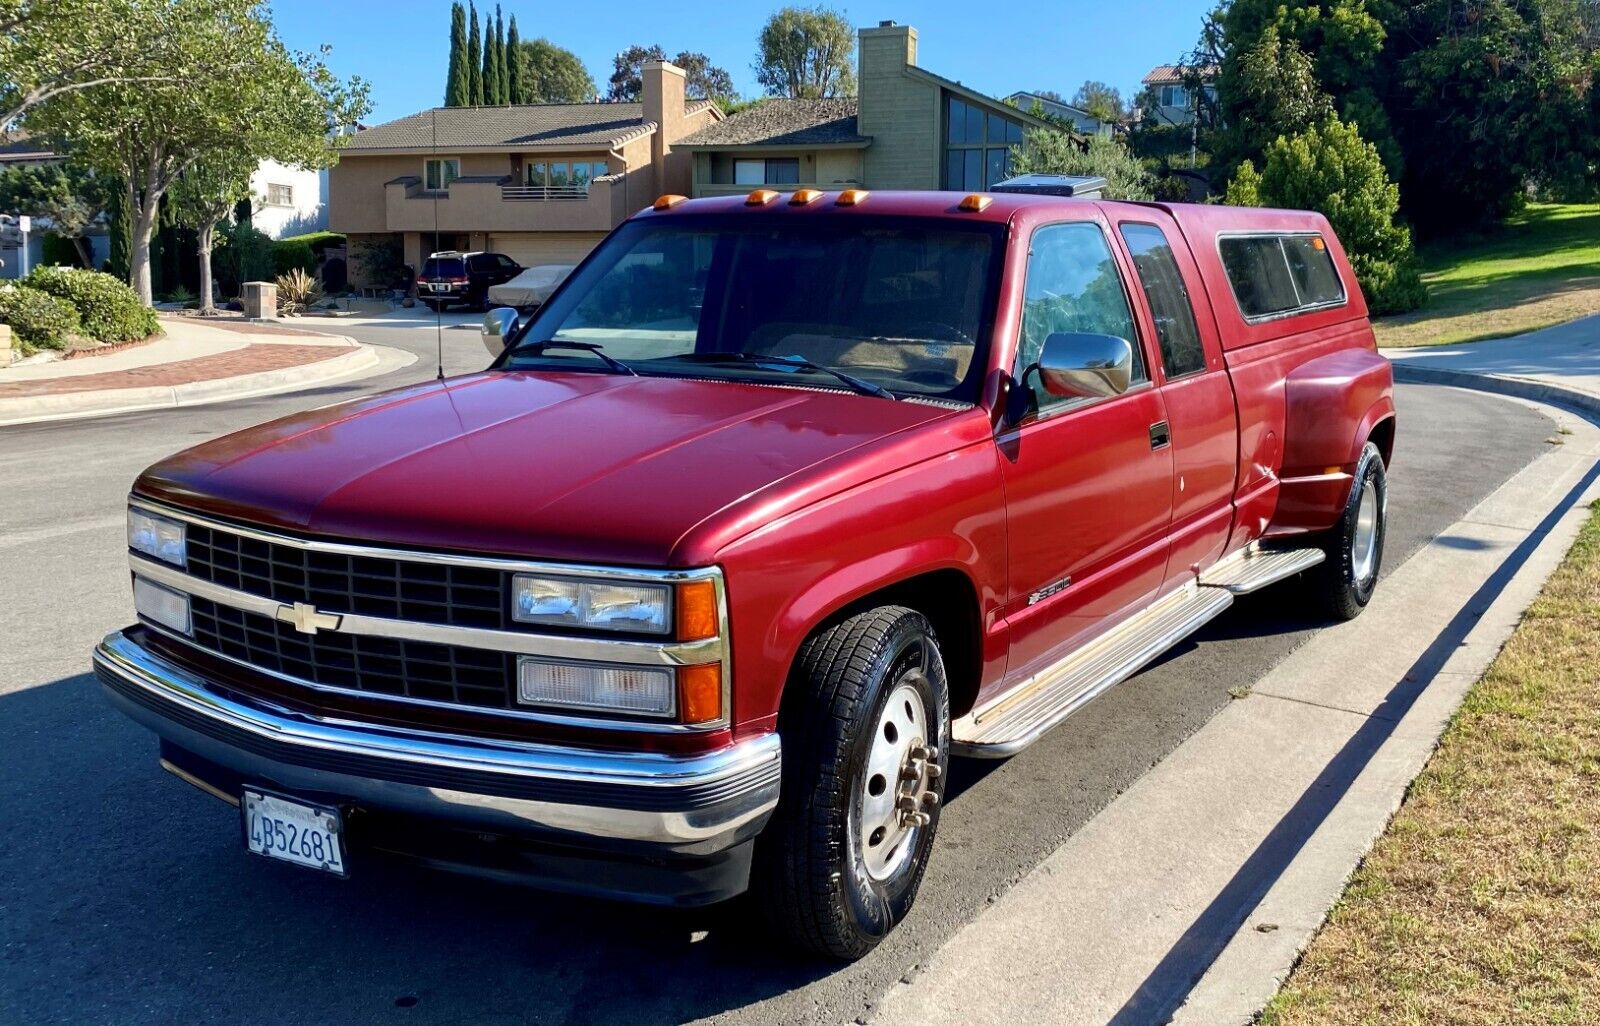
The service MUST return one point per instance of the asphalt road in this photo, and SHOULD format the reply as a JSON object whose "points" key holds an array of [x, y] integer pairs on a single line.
{"points": [[125, 896]]}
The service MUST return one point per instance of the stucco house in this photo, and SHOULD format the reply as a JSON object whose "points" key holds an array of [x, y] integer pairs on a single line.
{"points": [[1081, 119], [906, 128], [288, 200], [1174, 105], [541, 183]]}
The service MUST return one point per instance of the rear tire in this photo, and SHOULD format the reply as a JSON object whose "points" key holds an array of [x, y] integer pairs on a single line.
{"points": [[866, 740], [1343, 583]]}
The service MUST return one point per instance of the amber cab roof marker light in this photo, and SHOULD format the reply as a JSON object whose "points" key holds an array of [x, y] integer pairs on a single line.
{"points": [[668, 201], [803, 196], [760, 197], [974, 202], [852, 197]]}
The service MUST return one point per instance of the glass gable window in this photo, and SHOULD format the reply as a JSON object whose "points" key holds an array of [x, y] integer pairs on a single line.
{"points": [[564, 174], [438, 173], [978, 146]]}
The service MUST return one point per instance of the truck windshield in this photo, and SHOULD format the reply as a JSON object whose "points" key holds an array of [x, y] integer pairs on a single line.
{"points": [[899, 303]]}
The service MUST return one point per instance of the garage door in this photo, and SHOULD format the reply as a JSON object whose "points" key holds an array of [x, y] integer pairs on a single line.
{"points": [[531, 249]]}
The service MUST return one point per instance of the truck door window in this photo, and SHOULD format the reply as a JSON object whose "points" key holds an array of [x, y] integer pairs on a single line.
{"points": [[1072, 285], [1170, 307]]}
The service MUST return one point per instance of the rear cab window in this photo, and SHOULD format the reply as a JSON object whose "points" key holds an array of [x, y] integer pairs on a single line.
{"points": [[1280, 274]]}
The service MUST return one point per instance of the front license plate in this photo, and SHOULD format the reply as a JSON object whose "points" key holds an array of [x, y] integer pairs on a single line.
{"points": [[440, 288], [291, 831]]}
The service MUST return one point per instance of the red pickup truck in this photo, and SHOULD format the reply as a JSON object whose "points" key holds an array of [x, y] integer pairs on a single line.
{"points": [[777, 504]]}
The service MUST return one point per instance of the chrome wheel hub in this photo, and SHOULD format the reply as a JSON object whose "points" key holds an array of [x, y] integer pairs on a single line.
{"points": [[896, 793], [1364, 539]]}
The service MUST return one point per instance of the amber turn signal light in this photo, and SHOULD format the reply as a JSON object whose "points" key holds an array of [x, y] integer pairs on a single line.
{"points": [[697, 611], [803, 196], [974, 202], [700, 693], [760, 197], [668, 201], [851, 197]]}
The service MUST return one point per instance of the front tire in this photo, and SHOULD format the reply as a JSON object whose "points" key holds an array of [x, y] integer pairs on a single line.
{"points": [[1343, 583], [866, 732]]}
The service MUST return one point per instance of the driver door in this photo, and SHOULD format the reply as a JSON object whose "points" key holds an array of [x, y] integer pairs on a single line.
{"points": [[1088, 482]]}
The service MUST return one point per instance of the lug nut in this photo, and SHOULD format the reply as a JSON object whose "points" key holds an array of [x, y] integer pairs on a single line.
{"points": [[930, 799], [912, 770], [916, 819], [935, 771]]}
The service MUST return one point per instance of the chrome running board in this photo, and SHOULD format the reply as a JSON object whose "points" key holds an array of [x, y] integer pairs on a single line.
{"points": [[1253, 568], [1014, 720]]}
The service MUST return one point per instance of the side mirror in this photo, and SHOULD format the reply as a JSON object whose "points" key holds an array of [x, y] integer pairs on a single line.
{"points": [[1079, 365], [498, 324]]}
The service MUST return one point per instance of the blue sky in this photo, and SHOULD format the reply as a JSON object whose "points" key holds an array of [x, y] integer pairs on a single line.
{"points": [[401, 46]]}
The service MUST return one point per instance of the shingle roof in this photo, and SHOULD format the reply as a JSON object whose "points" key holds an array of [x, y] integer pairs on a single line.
{"points": [[15, 146], [528, 126], [785, 122], [1172, 74]]}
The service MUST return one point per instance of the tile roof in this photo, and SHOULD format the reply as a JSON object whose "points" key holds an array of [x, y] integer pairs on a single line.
{"points": [[529, 126], [785, 122], [1172, 74]]}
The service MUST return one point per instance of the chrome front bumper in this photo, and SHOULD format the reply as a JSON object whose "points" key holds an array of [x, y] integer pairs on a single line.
{"points": [[680, 805]]}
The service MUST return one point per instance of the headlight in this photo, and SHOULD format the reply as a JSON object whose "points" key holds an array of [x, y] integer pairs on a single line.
{"points": [[603, 605], [600, 687], [157, 536]]}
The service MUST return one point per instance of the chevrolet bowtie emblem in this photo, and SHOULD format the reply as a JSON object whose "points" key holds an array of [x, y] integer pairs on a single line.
{"points": [[303, 617]]}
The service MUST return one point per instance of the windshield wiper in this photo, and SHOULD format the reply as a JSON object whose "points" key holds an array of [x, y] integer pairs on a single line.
{"points": [[798, 363], [616, 365]]}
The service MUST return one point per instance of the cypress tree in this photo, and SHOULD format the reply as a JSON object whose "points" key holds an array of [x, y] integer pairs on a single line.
{"points": [[457, 84], [516, 90], [502, 56], [491, 63], [474, 61]]}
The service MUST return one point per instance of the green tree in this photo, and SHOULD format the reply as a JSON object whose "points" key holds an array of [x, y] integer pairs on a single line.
{"points": [[1053, 151], [274, 104], [202, 196], [502, 64], [806, 52], [552, 74], [458, 83], [702, 79], [516, 87], [1330, 168], [491, 63], [1101, 101], [70, 197], [474, 60]]}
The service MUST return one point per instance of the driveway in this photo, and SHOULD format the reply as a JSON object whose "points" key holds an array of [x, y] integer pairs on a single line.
{"points": [[125, 896]]}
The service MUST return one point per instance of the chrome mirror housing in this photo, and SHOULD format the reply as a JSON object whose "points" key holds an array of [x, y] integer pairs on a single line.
{"points": [[498, 324], [1080, 365]]}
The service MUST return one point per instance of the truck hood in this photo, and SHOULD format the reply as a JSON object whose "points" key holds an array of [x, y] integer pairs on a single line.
{"points": [[567, 466]]}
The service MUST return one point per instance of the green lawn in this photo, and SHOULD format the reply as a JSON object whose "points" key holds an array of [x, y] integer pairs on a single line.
{"points": [[1541, 268]]}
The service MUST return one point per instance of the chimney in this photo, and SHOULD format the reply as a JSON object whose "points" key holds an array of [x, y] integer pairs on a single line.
{"points": [[663, 98], [885, 50]]}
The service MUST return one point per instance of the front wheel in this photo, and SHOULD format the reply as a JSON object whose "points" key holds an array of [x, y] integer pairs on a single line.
{"points": [[1343, 583], [866, 730]]}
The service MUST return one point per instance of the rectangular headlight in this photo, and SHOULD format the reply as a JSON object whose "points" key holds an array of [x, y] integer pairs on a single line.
{"points": [[163, 605], [157, 536], [602, 605], [597, 687]]}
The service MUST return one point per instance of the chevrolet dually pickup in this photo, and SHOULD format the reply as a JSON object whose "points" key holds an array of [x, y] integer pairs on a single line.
{"points": [[776, 505]]}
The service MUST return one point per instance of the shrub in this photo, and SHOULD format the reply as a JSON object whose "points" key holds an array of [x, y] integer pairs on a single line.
{"points": [[58, 251], [1330, 168], [290, 254], [318, 241], [1051, 152], [109, 310], [37, 319], [242, 254], [298, 292]]}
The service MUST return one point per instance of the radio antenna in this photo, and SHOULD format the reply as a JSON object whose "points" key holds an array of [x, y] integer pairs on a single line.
{"points": [[438, 309]]}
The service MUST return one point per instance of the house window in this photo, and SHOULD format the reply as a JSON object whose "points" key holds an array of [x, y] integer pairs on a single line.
{"points": [[565, 175], [1174, 96], [772, 171], [438, 173], [280, 195], [977, 146]]}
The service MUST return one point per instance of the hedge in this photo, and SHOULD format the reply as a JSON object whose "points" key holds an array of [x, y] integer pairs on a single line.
{"points": [[318, 241], [109, 310], [37, 319], [288, 254]]}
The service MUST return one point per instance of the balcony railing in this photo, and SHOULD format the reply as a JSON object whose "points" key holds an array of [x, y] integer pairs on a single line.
{"points": [[541, 193]]}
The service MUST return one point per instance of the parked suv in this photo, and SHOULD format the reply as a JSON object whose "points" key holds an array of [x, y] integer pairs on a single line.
{"points": [[778, 503], [450, 277]]}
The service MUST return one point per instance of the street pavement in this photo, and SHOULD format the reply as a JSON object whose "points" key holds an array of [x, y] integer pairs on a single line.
{"points": [[125, 896]]}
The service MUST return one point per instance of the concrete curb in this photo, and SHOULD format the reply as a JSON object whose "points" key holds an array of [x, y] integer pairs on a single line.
{"points": [[1190, 897], [1531, 389], [103, 402]]}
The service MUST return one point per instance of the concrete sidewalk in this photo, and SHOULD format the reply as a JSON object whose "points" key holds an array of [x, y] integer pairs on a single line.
{"points": [[195, 362], [1190, 897]]}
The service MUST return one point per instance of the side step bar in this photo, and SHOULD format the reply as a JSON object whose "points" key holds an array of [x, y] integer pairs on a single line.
{"points": [[1253, 568], [1016, 719]]}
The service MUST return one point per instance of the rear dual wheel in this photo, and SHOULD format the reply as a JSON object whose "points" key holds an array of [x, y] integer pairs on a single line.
{"points": [[1343, 583], [866, 731]]}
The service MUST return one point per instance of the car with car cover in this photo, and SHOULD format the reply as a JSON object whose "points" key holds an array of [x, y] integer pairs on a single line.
{"points": [[775, 505]]}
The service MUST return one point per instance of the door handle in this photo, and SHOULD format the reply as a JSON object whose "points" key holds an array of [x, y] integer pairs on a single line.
{"points": [[1160, 435]]}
